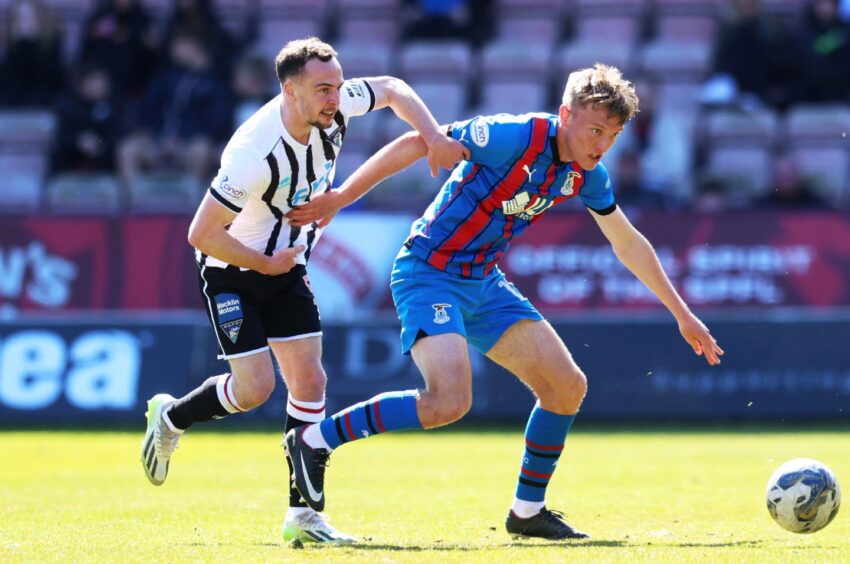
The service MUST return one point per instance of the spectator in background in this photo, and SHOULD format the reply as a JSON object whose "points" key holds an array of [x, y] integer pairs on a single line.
{"points": [[118, 37], [632, 191], [184, 114], [789, 190], [87, 124], [756, 60], [199, 18], [250, 88], [32, 70], [654, 153], [827, 44]]}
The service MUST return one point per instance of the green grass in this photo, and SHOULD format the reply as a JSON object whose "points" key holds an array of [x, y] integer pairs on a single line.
{"points": [[437, 497]]}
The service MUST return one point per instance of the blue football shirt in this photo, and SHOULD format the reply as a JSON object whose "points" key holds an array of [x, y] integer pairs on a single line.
{"points": [[512, 177]]}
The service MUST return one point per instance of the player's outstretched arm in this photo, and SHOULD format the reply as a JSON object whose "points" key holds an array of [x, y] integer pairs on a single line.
{"points": [[443, 151], [636, 253], [392, 158], [208, 234]]}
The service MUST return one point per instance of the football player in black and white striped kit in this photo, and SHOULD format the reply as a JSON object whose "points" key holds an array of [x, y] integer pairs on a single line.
{"points": [[252, 263]]}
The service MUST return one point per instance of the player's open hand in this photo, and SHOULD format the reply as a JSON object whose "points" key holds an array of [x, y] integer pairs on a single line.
{"points": [[322, 207], [443, 151], [282, 261], [699, 337]]}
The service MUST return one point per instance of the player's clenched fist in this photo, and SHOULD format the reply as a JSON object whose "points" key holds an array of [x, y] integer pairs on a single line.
{"points": [[282, 261]]}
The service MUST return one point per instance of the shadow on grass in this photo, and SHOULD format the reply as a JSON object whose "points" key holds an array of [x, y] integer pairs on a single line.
{"points": [[531, 544]]}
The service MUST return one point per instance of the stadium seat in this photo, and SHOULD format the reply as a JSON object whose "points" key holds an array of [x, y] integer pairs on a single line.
{"points": [[744, 172], [605, 40], [634, 8], [514, 98], [360, 60], [686, 28], [510, 59], [524, 8], [164, 193], [275, 32], [828, 171], [623, 30], [299, 9], [365, 133], [83, 194], [449, 61], [25, 130], [22, 178], [673, 60], [679, 96], [370, 30], [730, 127], [545, 30], [689, 7], [446, 101], [818, 124]]}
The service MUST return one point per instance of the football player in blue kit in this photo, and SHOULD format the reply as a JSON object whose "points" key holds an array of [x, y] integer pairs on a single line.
{"points": [[449, 290]]}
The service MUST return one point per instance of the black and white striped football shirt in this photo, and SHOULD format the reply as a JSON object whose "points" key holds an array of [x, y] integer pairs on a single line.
{"points": [[265, 173]]}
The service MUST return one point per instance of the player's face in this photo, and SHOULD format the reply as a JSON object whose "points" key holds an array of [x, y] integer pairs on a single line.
{"points": [[316, 92], [589, 133]]}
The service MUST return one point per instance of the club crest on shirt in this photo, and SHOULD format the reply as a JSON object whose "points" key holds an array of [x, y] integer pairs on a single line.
{"points": [[440, 314], [335, 137], [567, 188]]}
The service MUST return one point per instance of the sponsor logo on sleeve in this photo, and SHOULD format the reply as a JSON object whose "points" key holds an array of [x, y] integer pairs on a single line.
{"points": [[480, 132], [230, 315], [355, 89], [225, 186]]}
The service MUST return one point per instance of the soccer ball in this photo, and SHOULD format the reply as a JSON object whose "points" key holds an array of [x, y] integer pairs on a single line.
{"points": [[803, 495]]}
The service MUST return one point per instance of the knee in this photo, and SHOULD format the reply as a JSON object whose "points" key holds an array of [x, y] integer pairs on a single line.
{"points": [[308, 383], [451, 407], [254, 390], [567, 392]]}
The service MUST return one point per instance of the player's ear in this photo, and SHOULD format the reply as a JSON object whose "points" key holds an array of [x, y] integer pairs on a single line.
{"points": [[564, 113], [289, 88]]}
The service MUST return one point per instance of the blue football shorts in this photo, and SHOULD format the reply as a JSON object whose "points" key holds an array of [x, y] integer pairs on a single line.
{"points": [[431, 302]]}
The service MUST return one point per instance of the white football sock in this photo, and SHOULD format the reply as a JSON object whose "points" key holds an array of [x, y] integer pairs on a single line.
{"points": [[525, 509], [295, 512], [313, 437]]}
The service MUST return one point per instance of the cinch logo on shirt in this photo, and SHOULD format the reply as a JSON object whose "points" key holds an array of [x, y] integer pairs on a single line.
{"points": [[225, 186], [480, 132]]}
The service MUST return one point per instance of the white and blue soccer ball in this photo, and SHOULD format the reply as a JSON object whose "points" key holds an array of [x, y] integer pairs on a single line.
{"points": [[803, 495]]}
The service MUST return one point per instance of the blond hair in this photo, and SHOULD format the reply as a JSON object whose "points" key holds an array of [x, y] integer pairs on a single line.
{"points": [[602, 86]]}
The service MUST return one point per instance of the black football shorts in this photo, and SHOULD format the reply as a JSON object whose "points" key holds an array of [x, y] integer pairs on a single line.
{"points": [[248, 309]]}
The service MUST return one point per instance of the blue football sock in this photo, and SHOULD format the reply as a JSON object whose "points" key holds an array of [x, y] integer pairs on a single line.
{"points": [[390, 411], [544, 441]]}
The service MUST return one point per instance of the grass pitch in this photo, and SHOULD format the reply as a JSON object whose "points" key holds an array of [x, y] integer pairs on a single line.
{"points": [[420, 497]]}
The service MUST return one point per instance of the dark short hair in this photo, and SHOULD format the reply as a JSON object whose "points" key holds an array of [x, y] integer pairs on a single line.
{"points": [[291, 59]]}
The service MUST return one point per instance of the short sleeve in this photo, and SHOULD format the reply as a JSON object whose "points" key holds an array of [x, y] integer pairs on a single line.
{"points": [[491, 141], [356, 97], [240, 175], [597, 193]]}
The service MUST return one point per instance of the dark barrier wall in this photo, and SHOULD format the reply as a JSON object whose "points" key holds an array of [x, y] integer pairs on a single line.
{"points": [[74, 371]]}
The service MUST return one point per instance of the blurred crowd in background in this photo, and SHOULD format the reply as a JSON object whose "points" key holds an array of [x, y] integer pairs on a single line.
{"points": [[118, 106]]}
